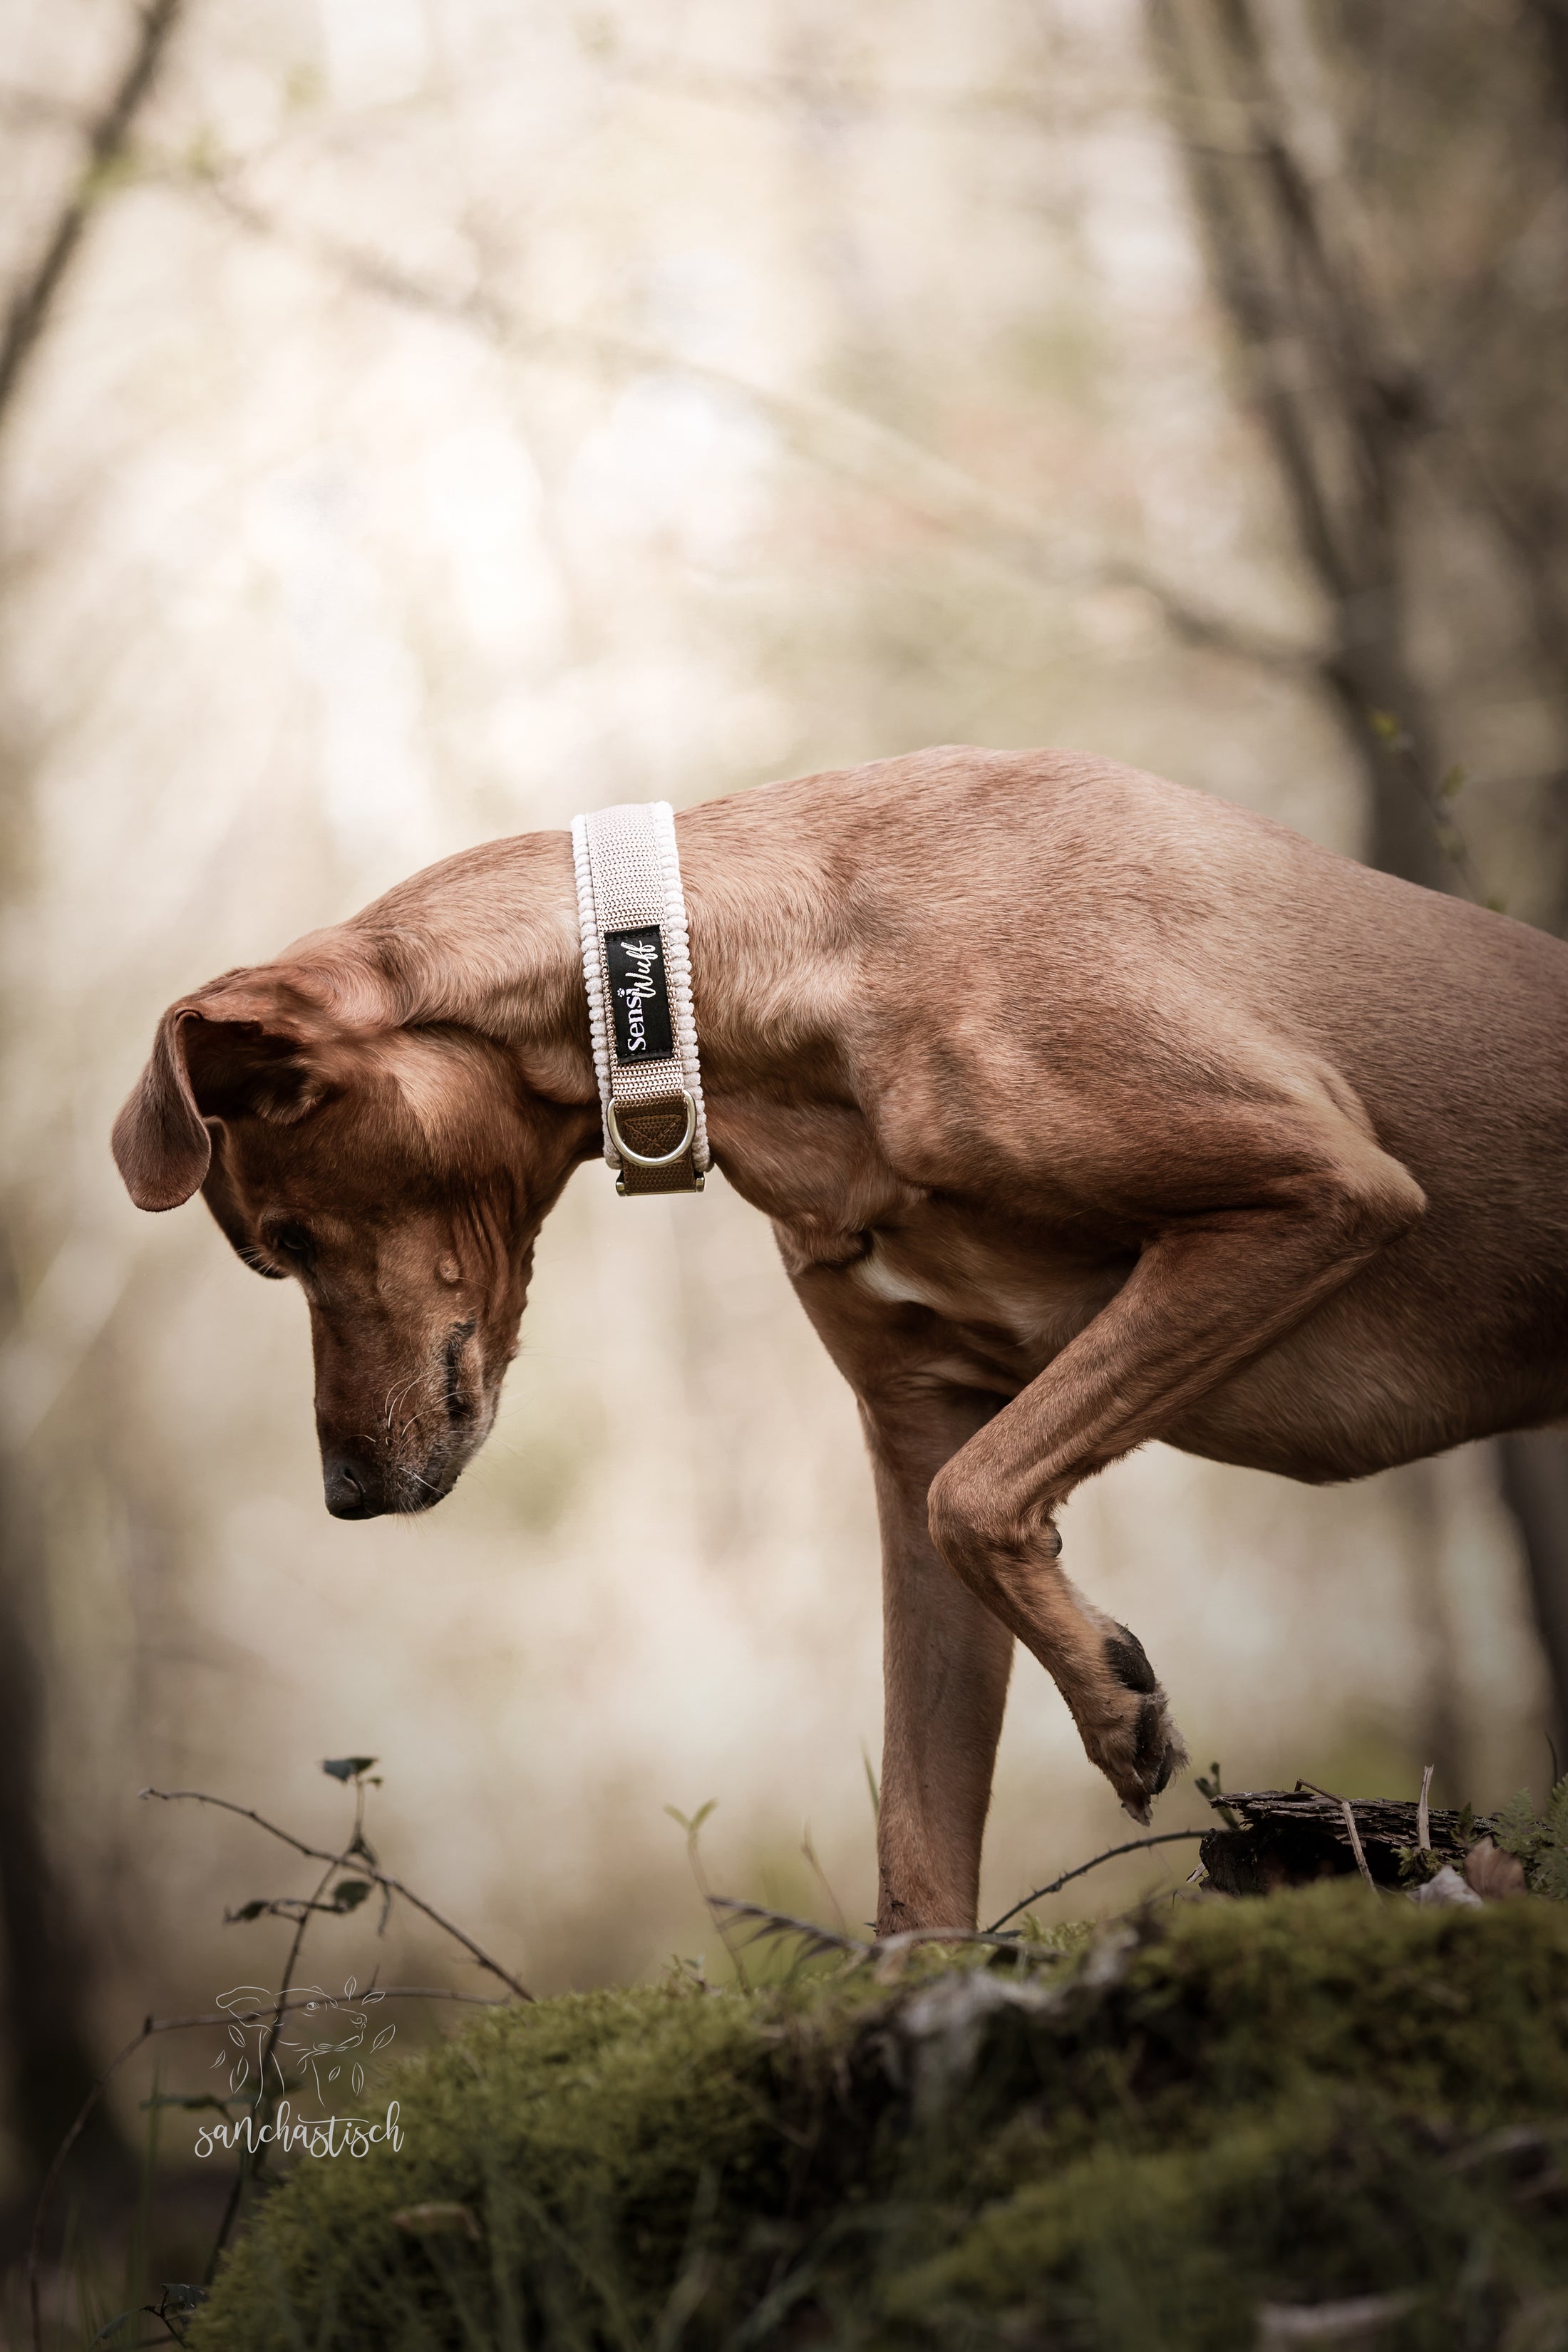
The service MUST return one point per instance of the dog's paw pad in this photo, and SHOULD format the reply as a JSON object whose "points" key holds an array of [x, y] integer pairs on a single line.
{"points": [[1129, 1661], [1151, 1751]]}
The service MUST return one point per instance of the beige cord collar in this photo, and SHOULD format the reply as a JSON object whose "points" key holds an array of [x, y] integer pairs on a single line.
{"points": [[636, 968]]}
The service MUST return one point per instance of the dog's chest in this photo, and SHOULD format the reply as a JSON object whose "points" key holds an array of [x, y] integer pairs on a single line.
{"points": [[993, 1302]]}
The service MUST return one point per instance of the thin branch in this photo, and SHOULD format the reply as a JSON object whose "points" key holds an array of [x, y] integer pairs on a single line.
{"points": [[1133, 1845], [819, 1939], [827, 432], [107, 140], [1348, 1809], [342, 1861], [784, 1923], [828, 1939], [847, 94], [246, 2169], [1356, 1847], [1423, 1812]]}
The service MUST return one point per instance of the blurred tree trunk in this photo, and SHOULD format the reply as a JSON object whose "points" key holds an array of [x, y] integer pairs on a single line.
{"points": [[44, 1965], [1336, 408], [108, 137], [1535, 1485], [44, 1961], [1345, 413], [1550, 20]]}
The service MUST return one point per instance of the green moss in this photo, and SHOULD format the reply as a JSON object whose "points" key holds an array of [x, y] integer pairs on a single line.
{"points": [[1294, 2100]]}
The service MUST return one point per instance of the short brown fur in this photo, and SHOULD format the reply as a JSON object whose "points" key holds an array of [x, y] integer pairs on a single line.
{"points": [[1087, 1111]]}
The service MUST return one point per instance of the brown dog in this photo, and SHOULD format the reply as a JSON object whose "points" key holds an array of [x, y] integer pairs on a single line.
{"points": [[1087, 1109]]}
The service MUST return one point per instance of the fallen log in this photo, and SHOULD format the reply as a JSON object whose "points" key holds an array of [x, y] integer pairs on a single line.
{"points": [[1281, 1837]]}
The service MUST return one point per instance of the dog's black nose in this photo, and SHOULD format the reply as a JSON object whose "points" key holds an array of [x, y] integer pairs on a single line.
{"points": [[352, 1489]]}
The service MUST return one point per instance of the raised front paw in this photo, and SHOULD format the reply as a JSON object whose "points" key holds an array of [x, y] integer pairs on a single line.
{"points": [[1128, 1730]]}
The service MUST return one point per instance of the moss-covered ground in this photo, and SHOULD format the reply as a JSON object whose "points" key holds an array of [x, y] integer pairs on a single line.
{"points": [[1139, 2144]]}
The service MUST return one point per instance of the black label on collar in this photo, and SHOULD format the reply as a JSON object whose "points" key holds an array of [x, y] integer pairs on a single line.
{"points": [[639, 994]]}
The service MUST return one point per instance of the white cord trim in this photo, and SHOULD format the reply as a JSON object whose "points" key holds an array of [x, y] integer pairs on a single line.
{"points": [[677, 965], [593, 947]]}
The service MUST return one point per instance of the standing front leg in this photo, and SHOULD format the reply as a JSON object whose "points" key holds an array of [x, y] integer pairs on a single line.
{"points": [[946, 1654], [945, 1662]]}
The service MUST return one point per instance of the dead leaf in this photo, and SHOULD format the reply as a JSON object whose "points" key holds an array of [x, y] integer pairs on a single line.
{"points": [[432, 2221], [1492, 1873], [1351, 2322]]}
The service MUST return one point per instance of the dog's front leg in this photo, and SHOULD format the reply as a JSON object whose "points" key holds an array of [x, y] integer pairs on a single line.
{"points": [[945, 1664], [1208, 1292]]}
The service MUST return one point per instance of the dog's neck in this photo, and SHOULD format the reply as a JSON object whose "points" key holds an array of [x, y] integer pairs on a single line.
{"points": [[488, 940]]}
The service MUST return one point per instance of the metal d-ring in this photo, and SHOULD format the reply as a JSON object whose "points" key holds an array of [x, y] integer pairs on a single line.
{"points": [[664, 1159]]}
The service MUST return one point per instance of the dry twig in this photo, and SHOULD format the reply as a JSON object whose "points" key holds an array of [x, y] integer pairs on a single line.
{"points": [[1164, 1837], [347, 1860], [831, 433], [817, 1940], [1353, 2321], [1348, 1809]]}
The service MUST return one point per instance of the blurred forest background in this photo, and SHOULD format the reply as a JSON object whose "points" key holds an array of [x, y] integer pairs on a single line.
{"points": [[423, 419]]}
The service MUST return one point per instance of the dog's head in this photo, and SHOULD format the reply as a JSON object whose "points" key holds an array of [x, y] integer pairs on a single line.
{"points": [[399, 1174]]}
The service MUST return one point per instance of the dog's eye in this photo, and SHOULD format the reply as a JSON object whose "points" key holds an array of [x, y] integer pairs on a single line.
{"points": [[294, 1243]]}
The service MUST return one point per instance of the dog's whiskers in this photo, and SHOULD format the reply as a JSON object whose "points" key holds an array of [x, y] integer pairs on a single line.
{"points": [[396, 1396]]}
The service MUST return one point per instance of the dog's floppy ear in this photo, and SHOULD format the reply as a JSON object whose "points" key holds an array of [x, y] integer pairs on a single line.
{"points": [[241, 1046]]}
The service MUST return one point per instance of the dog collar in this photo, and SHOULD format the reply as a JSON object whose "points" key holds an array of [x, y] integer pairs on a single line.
{"points": [[636, 968]]}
